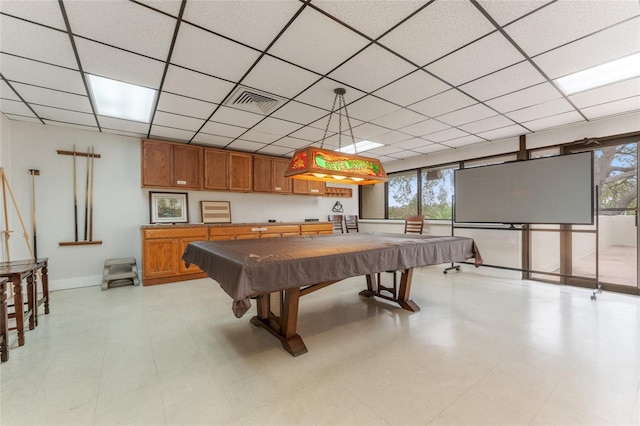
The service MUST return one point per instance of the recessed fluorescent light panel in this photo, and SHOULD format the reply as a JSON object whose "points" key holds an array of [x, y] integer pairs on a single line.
{"points": [[618, 70], [362, 146], [121, 100]]}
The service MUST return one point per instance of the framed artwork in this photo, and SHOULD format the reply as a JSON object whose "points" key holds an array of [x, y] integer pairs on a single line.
{"points": [[168, 207], [216, 211]]}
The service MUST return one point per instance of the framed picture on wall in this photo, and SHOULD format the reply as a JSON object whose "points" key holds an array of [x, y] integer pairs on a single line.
{"points": [[216, 211], [168, 207]]}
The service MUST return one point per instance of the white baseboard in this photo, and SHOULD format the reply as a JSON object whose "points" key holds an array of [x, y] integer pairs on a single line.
{"points": [[78, 282]]}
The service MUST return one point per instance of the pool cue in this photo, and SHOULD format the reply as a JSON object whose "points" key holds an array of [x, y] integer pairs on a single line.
{"points": [[91, 198], [34, 173], [6, 214], [75, 192], [86, 197]]}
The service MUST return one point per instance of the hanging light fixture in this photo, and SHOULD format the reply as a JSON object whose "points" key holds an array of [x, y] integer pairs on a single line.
{"points": [[325, 165]]}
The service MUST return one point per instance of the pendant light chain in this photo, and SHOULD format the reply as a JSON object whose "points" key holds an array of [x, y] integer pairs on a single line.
{"points": [[326, 129]]}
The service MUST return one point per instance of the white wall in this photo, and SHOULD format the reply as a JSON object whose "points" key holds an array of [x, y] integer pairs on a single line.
{"points": [[121, 206]]}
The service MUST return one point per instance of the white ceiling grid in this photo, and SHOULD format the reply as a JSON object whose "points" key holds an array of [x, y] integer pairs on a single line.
{"points": [[421, 76]]}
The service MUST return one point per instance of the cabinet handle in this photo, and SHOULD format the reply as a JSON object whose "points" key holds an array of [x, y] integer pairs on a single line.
{"points": [[181, 182], [258, 229], [315, 190]]}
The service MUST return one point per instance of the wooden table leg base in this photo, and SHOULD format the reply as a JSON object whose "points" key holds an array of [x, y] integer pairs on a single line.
{"points": [[408, 305], [294, 344]]}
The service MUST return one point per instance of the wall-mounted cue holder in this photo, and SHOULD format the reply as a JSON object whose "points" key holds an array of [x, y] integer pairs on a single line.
{"points": [[89, 158]]}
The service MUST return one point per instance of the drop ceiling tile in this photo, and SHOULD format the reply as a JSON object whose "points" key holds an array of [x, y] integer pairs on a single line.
{"points": [[613, 108], [39, 74], [299, 112], [36, 42], [504, 132], [259, 136], [546, 109], [42, 12], [406, 154], [118, 124], [605, 46], [53, 98], [372, 68], [425, 127], [255, 23], [212, 140], [15, 107], [172, 7], [505, 11], [463, 141], [368, 130], [443, 103], [183, 82], [70, 125], [310, 134], [372, 18], [236, 117], [446, 135], [383, 150], [292, 143], [177, 121], [326, 43], [15, 117], [565, 21], [220, 129], [434, 147], [369, 108], [467, 115], [176, 104], [244, 145], [171, 133], [124, 133], [321, 94], [412, 143], [392, 137], [415, 87], [399, 118], [7, 93], [193, 42], [480, 58], [527, 97], [334, 126], [276, 126], [553, 121], [117, 64], [499, 83], [128, 26], [611, 92], [292, 81], [494, 122], [275, 150], [436, 30], [64, 115]]}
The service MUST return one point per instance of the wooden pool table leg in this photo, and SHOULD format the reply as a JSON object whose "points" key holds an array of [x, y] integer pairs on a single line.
{"points": [[404, 292], [286, 324]]}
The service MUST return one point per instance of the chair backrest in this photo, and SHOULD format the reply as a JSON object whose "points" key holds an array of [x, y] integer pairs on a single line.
{"points": [[337, 223], [351, 222], [414, 224]]}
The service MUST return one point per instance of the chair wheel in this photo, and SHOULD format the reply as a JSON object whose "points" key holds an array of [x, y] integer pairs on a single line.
{"points": [[445, 272], [593, 297]]}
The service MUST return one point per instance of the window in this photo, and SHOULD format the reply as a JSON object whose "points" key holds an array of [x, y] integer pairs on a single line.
{"points": [[403, 194], [437, 192]]}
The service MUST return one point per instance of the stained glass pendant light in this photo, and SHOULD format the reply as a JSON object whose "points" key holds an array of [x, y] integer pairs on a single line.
{"points": [[325, 165]]}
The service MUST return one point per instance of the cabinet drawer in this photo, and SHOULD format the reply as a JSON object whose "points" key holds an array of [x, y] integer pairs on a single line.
{"points": [[316, 227], [199, 232], [233, 230], [281, 229]]}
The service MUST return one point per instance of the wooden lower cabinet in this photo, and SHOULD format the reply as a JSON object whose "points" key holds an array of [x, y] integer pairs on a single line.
{"points": [[162, 247]]}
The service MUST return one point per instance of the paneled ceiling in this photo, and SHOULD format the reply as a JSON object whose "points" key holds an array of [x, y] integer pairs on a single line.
{"points": [[421, 76]]}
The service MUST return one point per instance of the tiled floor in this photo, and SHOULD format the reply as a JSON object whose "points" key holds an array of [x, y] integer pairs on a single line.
{"points": [[481, 351]]}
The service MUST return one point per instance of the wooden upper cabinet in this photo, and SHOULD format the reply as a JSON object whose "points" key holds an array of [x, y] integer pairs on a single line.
{"points": [[309, 187], [280, 183], [268, 175], [240, 171], [171, 165], [216, 169]]}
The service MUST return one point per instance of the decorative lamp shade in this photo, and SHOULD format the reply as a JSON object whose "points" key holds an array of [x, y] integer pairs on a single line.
{"points": [[325, 165]]}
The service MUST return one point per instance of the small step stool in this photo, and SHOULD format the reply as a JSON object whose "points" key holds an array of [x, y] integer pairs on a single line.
{"points": [[119, 271]]}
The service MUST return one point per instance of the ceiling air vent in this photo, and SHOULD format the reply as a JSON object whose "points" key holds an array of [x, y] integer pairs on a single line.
{"points": [[254, 100]]}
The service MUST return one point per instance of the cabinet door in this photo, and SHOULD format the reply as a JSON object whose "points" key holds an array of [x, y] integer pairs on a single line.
{"points": [[157, 164], [281, 184], [240, 171], [300, 186], [160, 258], [316, 188], [187, 166], [182, 244], [216, 169], [262, 174]]}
